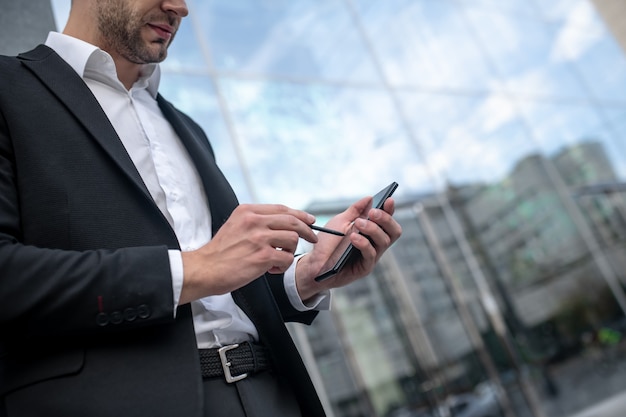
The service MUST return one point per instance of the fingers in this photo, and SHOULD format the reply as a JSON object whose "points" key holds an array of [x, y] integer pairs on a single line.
{"points": [[280, 261], [276, 217], [385, 220], [276, 209], [268, 235], [291, 223], [390, 206], [286, 241], [381, 229]]}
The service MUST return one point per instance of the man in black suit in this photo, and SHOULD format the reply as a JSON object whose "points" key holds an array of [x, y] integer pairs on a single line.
{"points": [[131, 281]]}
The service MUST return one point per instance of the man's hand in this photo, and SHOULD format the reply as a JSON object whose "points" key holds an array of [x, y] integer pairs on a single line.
{"points": [[382, 230], [254, 240]]}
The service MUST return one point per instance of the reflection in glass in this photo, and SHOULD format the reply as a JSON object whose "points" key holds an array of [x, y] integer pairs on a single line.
{"points": [[521, 50], [320, 141], [184, 54], [557, 126], [502, 124], [420, 54], [296, 38], [195, 96]]}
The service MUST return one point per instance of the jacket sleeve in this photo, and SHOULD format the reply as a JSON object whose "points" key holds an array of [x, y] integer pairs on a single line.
{"points": [[58, 292], [289, 313], [62, 292], [62, 284]]}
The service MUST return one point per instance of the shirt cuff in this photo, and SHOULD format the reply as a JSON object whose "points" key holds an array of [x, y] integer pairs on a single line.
{"points": [[321, 301], [176, 268]]}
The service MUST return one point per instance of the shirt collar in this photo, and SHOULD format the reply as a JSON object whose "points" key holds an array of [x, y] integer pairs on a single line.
{"points": [[89, 61]]}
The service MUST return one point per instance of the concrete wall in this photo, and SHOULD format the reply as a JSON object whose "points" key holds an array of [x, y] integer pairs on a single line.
{"points": [[24, 24], [614, 14]]}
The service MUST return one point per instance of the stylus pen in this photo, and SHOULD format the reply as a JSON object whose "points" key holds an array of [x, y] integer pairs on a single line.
{"points": [[325, 230]]}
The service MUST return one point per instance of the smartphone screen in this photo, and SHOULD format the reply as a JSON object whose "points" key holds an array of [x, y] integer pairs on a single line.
{"points": [[345, 250]]}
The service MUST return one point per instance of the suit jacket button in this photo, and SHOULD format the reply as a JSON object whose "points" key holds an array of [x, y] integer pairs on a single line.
{"points": [[116, 317], [143, 311], [102, 319], [130, 314]]}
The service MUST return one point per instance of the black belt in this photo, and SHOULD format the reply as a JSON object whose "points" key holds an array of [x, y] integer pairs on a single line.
{"points": [[234, 362]]}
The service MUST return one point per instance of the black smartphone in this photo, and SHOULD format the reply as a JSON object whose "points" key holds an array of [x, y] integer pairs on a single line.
{"points": [[345, 249]]}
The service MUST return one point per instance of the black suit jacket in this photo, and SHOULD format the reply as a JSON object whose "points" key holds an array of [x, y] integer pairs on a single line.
{"points": [[86, 311]]}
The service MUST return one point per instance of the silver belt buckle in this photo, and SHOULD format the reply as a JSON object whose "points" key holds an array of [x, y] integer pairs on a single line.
{"points": [[226, 364]]}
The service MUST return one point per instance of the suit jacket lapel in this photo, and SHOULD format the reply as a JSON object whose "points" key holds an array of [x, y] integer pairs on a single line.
{"points": [[70, 89]]}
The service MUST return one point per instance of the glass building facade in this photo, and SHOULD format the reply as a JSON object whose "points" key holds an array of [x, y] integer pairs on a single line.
{"points": [[504, 123]]}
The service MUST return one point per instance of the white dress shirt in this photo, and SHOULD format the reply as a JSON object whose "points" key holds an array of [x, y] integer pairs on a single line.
{"points": [[171, 179]]}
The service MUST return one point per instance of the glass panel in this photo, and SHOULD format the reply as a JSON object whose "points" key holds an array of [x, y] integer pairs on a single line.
{"points": [[581, 38], [373, 341], [566, 127], [195, 96], [577, 11], [305, 142], [436, 53], [514, 7], [522, 51], [599, 61], [616, 123], [184, 54], [61, 11], [467, 139], [297, 38]]}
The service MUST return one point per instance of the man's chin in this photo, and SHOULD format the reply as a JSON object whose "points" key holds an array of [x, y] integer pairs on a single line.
{"points": [[152, 57], [161, 54]]}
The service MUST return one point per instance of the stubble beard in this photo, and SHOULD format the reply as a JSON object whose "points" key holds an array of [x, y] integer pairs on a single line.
{"points": [[121, 32]]}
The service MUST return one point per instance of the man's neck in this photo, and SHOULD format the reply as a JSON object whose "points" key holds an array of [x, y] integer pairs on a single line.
{"points": [[127, 72]]}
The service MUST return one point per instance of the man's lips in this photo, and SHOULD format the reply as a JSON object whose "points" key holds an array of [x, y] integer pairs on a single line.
{"points": [[164, 31]]}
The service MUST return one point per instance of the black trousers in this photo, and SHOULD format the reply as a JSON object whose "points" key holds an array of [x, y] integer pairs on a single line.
{"points": [[259, 395]]}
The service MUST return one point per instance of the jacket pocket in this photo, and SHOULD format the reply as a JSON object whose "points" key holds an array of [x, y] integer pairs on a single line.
{"points": [[18, 370]]}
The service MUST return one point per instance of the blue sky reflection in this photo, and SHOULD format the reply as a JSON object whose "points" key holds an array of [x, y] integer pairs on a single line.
{"points": [[333, 99]]}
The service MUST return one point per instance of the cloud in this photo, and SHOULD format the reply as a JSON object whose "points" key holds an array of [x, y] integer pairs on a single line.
{"points": [[578, 34]]}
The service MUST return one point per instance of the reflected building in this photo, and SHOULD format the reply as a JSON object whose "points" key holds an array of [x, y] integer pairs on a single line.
{"points": [[532, 241], [533, 244], [404, 338]]}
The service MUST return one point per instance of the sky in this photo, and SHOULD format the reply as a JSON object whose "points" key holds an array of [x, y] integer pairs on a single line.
{"points": [[303, 102]]}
